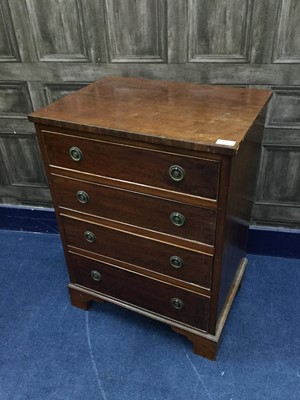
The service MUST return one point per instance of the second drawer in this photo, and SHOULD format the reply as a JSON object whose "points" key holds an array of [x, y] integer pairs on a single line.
{"points": [[145, 211], [173, 261]]}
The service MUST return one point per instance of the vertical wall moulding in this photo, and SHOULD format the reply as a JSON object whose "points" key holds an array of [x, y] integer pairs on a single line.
{"points": [[219, 31], [136, 30], [59, 32], [9, 51], [286, 47]]}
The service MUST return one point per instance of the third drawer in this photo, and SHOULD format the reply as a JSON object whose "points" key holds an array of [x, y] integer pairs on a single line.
{"points": [[170, 260]]}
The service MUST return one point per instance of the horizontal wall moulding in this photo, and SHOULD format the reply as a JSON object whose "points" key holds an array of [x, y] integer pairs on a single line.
{"points": [[216, 73]]}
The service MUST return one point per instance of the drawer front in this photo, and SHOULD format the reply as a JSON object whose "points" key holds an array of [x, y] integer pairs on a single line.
{"points": [[193, 176], [173, 261], [160, 298], [136, 209]]}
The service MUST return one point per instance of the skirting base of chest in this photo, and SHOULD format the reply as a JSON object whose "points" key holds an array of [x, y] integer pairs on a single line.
{"points": [[205, 345]]}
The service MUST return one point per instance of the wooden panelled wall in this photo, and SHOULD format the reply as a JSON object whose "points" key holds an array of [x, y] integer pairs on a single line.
{"points": [[49, 48]]}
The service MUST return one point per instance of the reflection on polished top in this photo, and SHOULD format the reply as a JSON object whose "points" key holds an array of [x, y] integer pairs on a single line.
{"points": [[189, 115]]}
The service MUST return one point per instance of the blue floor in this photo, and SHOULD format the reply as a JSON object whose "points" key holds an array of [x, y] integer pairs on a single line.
{"points": [[51, 350]]}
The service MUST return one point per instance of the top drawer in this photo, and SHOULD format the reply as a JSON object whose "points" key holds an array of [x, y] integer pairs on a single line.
{"points": [[185, 174]]}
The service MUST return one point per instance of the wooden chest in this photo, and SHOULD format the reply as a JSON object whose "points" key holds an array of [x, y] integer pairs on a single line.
{"points": [[152, 184]]}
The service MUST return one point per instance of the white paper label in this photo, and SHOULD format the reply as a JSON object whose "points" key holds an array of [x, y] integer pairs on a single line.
{"points": [[226, 142]]}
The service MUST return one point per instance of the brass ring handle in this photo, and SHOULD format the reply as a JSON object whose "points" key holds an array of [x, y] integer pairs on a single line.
{"points": [[75, 153], [177, 219], [176, 262], [96, 275], [82, 196], [89, 237], [177, 173], [177, 303]]}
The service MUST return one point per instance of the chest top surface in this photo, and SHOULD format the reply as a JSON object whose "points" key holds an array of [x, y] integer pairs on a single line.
{"points": [[185, 114]]}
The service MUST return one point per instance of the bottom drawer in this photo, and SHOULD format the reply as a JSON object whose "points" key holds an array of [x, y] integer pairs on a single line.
{"points": [[154, 296]]}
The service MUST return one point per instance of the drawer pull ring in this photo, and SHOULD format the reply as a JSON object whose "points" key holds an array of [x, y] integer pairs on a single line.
{"points": [[177, 219], [177, 303], [177, 173], [176, 262], [82, 196], [89, 237], [75, 153], [96, 275]]}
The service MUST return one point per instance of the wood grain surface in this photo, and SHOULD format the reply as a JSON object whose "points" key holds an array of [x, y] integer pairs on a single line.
{"points": [[160, 111]]}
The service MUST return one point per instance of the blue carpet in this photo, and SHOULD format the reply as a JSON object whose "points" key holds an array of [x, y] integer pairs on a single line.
{"points": [[51, 350]]}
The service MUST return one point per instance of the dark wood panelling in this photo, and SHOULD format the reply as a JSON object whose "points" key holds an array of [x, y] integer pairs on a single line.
{"points": [[49, 48], [219, 30], [136, 30]]}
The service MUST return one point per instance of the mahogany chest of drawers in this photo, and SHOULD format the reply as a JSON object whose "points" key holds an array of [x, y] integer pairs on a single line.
{"points": [[152, 184]]}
